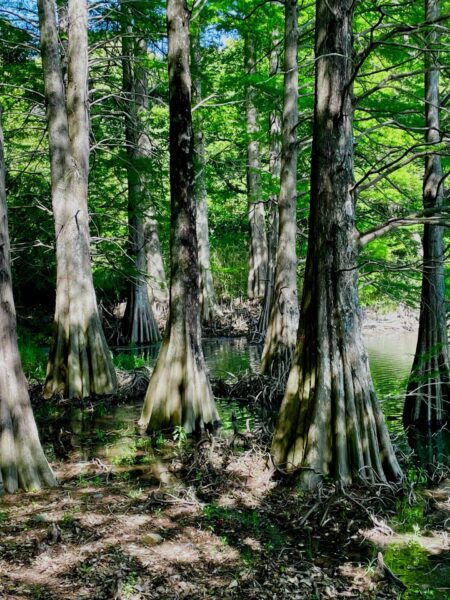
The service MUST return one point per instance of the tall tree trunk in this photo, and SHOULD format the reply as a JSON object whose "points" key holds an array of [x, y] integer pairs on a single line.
{"points": [[283, 323], [208, 300], [22, 460], [256, 212], [428, 395], [79, 363], [157, 289], [139, 325], [179, 391], [330, 422], [272, 210]]}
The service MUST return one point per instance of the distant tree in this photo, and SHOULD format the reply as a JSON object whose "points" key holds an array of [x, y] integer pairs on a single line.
{"points": [[80, 363], [208, 300], [179, 391], [272, 209], [330, 421], [139, 324], [428, 395], [283, 321], [256, 212], [22, 461]]}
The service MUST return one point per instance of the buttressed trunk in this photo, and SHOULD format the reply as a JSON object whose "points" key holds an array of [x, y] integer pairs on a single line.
{"points": [[22, 460], [79, 363], [428, 395], [283, 322], [139, 324], [179, 391], [330, 422], [257, 273], [208, 301]]}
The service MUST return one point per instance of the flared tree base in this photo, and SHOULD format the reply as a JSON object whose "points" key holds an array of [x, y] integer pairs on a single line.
{"points": [[179, 392], [331, 424], [80, 364], [23, 464], [139, 323]]}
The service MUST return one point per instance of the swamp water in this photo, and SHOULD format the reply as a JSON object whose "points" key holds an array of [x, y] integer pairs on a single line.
{"points": [[106, 431]]}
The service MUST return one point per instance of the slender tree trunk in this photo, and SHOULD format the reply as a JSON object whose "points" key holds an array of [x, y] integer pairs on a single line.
{"points": [[157, 289], [139, 325], [330, 422], [256, 212], [272, 210], [179, 391], [22, 460], [79, 363], [428, 396], [283, 323], [208, 300]]}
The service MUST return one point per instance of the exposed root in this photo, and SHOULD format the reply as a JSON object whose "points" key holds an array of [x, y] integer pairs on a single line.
{"points": [[261, 390]]}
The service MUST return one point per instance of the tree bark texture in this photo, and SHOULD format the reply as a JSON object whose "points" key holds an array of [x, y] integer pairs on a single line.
{"points": [[428, 395], [79, 363], [257, 274], [330, 421], [158, 292], [283, 323], [22, 461], [179, 391], [208, 300], [139, 324], [272, 209]]}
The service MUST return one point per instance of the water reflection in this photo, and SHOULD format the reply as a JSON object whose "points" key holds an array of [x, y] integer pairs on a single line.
{"points": [[110, 432], [224, 356], [390, 357]]}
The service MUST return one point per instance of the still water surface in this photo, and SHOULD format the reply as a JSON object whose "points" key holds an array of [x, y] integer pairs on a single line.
{"points": [[106, 431]]}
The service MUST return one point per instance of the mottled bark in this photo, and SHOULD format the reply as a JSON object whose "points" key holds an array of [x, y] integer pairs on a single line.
{"points": [[330, 421], [272, 209], [257, 274], [283, 323], [208, 300], [428, 395], [157, 289], [22, 461], [179, 391], [79, 363], [139, 324]]}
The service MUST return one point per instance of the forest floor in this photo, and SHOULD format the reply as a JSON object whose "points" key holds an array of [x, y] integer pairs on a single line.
{"points": [[239, 317], [209, 520], [181, 519]]}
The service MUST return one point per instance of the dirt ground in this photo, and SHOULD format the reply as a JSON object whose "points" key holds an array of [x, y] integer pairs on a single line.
{"points": [[201, 520]]}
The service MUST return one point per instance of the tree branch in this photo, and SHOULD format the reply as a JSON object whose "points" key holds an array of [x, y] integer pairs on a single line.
{"points": [[438, 216]]}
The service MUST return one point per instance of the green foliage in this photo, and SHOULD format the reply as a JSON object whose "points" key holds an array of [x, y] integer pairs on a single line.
{"points": [[34, 359], [411, 563], [129, 361], [180, 436], [409, 517], [388, 124]]}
